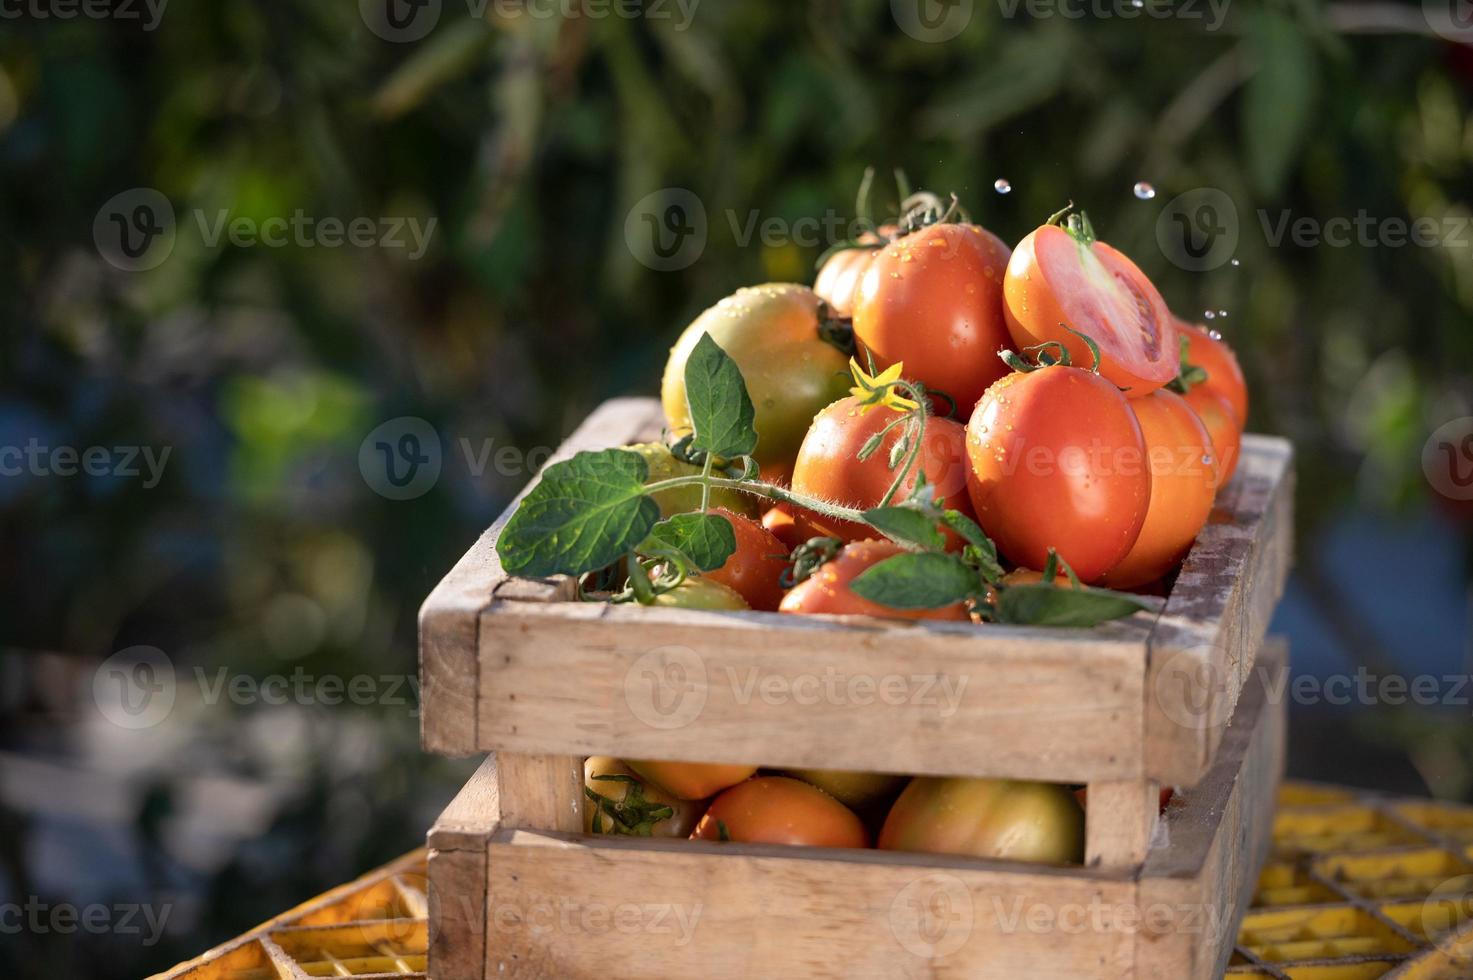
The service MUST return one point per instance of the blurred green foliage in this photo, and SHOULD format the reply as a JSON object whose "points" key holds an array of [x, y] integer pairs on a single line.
{"points": [[529, 139]]}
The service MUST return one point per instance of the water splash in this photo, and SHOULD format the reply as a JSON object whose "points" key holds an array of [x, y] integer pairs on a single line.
{"points": [[1144, 190], [1002, 186]]}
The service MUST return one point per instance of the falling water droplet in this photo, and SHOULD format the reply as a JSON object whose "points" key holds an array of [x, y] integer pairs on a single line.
{"points": [[1209, 314], [1144, 191], [1236, 263], [1002, 186], [1222, 314], [1215, 334]]}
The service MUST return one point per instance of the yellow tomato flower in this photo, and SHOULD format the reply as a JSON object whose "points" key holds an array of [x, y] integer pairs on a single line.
{"points": [[877, 390]]}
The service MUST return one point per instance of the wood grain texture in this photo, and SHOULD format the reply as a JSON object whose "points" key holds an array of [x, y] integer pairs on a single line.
{"points": [[1143, 699], [945, 699], [1120, 820], [570, 907], [1203, 646], [449, 620]]}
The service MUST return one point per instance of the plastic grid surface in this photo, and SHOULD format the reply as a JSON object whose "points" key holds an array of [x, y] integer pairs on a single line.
{"points": [[1357, 887], [1360, 887]]}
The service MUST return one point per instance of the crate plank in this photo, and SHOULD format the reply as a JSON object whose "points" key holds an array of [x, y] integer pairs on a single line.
{"points": [[565, 906], [1144, 699]]}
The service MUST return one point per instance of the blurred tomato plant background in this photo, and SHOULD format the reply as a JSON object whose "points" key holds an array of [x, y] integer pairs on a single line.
{"points": [[546, 149]]}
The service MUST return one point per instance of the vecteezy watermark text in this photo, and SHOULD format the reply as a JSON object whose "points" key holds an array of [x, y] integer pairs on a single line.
{"points": [[38, 459], [39, 917], [147, 12]]}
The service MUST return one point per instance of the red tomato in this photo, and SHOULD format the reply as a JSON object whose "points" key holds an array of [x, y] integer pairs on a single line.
{"points": [[1057, 460], [779, 521], [827, 590], [1060, 277], [829, 467], [1216, 413], [779, 810], [840, 275], [933, 299], [1183, 483], [986, 818], [690, 780], [754, 568], [1207, 350]]}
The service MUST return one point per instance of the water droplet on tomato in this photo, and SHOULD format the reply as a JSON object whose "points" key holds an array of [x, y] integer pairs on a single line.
{"points": [[1002, 186], [1206, 459], [1144, 190]]}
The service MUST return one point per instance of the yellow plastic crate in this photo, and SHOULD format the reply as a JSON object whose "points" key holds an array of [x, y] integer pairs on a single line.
{"points": [[1359, 887]]}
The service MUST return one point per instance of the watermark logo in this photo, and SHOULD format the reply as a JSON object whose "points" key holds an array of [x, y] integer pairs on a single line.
{"points": [[1198, 229], [666, 687], [1192, 690], [400, 21], [1447, 459], [666, 229], [932, 21], [932, 916], [135, 688], [401, 458], [1450, 19], [1448, 908], [134, 230]]}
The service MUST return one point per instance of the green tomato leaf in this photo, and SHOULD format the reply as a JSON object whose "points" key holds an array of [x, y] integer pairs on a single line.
{"points": [[1039, 604], [906, 525], [720, 408], [920, 580], [583, 514], [706, 540]]}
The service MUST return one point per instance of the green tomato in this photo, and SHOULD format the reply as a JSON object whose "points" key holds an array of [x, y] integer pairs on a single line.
{"points": [[681, 500], [856, 790], [987, 818], [701, 593], [791, 373], [627, 803]]}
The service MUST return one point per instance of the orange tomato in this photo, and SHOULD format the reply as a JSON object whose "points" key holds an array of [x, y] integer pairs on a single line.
{"points": [[933, 299], [780, 810], [754, 568], [1208, 351], [690, 780], [827, 589], [829, 468], [1057, 461], [1216, 413], [1183, 483], [779, 520], [1060, 278], [840, 275]]}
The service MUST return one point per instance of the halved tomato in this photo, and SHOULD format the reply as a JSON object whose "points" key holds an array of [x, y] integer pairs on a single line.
{"points": [[1062, 279]]}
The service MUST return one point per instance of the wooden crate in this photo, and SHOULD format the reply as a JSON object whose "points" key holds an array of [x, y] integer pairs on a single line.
{"points": [[509, 901], [514, 666]]}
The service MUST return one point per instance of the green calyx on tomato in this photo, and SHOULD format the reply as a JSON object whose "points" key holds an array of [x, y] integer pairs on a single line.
{"points": [[603, 508], [619, 802]]}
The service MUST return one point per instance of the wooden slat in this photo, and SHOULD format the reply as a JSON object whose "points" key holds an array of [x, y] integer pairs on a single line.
{"points": [[449, 630], [570, 907], [567, 910], [457, 876], [1120, 820], [1212, 861], [804, 692], [1204, 643]]}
